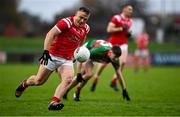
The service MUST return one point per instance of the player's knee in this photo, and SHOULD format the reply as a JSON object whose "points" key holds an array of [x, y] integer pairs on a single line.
{"points": [[123, 64], [89, 75], [68, 80]]}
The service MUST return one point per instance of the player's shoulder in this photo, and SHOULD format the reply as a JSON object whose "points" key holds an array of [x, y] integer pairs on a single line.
{"points": [[68, 21], [87, 27], [117, 17]]}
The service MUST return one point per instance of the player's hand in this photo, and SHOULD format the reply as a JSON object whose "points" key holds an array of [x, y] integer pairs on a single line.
{"points": [[125, 27], [45, 57], [74, 60], [128, 34]]}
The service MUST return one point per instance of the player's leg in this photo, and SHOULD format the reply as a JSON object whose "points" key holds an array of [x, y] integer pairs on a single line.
{"points": [[66, 72], [113, 83], [136, 60], [100, 68], [34, 80], [78, 78], [146, 60], [88, 74], [124, 55], [146, 63], [136, 63]]}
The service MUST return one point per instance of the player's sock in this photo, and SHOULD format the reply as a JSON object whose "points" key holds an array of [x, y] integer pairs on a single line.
{"points": [[55, 105], [55, 99], [25, 85], [113, 84], [93, 87], [95, 80], [114, 80]]}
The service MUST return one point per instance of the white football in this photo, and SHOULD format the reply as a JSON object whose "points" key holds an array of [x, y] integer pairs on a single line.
{"points": [[81, 54]]}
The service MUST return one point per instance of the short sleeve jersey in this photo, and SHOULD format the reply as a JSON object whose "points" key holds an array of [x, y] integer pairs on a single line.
{"points": [[120, 38], [99, 50], [68, 39]]}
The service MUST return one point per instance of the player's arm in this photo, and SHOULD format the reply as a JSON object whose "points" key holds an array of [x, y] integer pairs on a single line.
{"points": [[146, 43], [116, 66], [128, 30], [50, 37], [61, 25], [119, 75], [47, 42], [79, 77], [58, 28], [111, 28], [147, 40]]}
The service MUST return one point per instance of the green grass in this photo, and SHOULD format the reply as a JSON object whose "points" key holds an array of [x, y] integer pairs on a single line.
{"points": [[22, 44], [156, 92]]}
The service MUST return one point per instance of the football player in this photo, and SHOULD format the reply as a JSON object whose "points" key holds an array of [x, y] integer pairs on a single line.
{"points": [[102, 52], [142, 51], [119, 30], [59, 45]]}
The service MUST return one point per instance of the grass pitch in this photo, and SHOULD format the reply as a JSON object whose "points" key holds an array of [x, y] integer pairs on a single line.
{"points": [[156, 92]]}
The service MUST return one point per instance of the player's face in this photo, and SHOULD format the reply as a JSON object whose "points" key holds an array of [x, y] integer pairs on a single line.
{"points": [[80, 18], [128, 10], [112, 56]]}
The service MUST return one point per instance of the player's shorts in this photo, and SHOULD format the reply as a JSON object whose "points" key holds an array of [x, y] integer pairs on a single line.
{"points": [[56, 62], [124, 54], [142, 52], [124, 47]]}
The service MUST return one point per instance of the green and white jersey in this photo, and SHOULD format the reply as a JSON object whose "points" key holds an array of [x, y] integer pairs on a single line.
{"points": [[99, 50]]}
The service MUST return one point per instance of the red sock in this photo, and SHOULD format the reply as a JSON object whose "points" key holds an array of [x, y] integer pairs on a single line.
{"points": [[95, 80], [114, 80], [55, 99], [25, 85]]}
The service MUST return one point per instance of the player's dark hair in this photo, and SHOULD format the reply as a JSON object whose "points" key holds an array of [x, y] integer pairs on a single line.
{"points": [[84, 9], [127, 4], [116, 50]]}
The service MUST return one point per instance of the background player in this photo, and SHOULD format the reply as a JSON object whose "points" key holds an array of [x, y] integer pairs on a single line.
{"points": [[119, 29], [59, 45], [142, 52], [103, 52]]}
